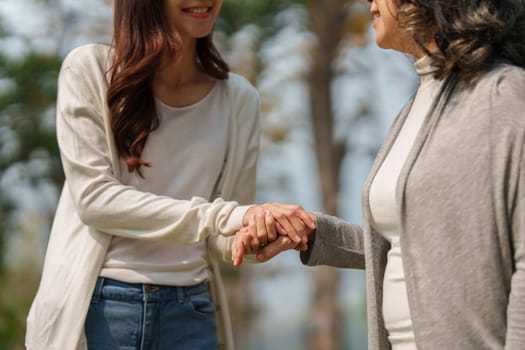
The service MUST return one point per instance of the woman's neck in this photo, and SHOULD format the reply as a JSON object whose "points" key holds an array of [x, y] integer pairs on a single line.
{"points": [[179, 68], [418, 52], [180, 81]]}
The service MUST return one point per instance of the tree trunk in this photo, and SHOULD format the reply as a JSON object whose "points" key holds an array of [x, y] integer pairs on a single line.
{"points": [[326, 22]]}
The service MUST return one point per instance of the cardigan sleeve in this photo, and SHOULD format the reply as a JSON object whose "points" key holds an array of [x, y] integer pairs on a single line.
{"points": [[337, 243], [104, 203], [245, 101], [515, 338], [246, 104]]}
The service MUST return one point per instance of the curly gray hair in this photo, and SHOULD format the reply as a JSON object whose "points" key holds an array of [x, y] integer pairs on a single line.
{"points": [[471, 34]]}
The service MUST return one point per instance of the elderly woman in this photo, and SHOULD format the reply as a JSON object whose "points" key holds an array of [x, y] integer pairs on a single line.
{"points": [[443, 233]]}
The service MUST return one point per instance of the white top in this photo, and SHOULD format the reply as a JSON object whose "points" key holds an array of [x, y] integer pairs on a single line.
{"points": [[187, 153], [385, 214]]}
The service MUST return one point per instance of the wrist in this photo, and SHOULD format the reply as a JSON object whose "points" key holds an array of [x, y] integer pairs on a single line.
{"points": [[311, 233]]}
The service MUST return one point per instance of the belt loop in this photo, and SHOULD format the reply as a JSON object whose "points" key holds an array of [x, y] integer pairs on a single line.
{"points": [[144, 293], [97, 293], [181, 297]]}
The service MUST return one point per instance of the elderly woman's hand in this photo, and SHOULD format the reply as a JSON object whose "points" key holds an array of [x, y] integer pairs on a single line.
{"points": [[245, 243], [266, 221]]}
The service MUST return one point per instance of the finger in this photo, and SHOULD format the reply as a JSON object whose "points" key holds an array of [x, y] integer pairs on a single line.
{"points": [[288, 228], [237, 260], [279, 228], [309, 219], [300, 227], [247, 243], [250, 212], [281, 244], [295, 210], [237, 252], [252, 232], [270, 227], [260, 223], [280, 215], [302, 221], [313, 219], [302, 246], [271, 250]]}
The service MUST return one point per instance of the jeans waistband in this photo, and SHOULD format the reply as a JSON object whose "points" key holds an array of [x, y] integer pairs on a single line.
{"points": [[142, 291]]}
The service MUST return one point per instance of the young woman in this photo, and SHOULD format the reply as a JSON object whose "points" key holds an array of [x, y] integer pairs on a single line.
{"points": [[159, 144], [443, 235]]}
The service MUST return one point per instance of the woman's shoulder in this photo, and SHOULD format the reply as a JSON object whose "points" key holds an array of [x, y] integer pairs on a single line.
{"points": [[501, 84], [505, 79], [500, 91], [89, 57], [241, 87]]}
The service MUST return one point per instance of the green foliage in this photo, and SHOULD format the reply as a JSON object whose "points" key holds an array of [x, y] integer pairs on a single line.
{"points": [[21, 285], [27, 95], [237, 13], [5, 209], [31, 92]]}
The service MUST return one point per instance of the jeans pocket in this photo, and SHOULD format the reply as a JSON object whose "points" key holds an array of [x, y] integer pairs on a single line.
{"points": [[201, 305]]}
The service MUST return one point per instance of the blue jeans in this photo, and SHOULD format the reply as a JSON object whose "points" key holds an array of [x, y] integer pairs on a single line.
{"points": [[127, 316]]}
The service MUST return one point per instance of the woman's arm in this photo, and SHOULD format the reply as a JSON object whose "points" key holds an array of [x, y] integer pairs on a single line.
{"points": [[336, 243], [104, 203], [247, 116], [515, 338]]}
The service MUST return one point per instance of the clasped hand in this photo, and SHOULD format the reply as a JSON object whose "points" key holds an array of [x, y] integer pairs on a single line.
{"points": [[271, 228]]}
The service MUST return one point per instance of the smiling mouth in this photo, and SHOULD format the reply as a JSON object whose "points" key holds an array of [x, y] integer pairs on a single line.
{"points": [[197, 10]]}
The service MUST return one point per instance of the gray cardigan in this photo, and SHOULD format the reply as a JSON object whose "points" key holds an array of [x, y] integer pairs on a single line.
{"points": [[461, 200]]}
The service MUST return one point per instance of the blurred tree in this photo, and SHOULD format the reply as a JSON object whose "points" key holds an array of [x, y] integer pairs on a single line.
{"points": [[25, 136], [5, 205], [27, 93], [332, 22], [30, 95], [236, 14], [335, 26]]}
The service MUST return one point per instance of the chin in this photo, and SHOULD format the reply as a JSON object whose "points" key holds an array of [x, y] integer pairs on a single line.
{"points": [[201, 33], [382, 45]]}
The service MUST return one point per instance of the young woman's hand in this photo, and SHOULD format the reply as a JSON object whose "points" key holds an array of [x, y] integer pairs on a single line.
{"points": [[242, 245], [278, 246]]}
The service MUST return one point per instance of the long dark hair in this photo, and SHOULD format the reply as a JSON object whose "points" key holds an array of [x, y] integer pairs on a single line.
{"points": [[141, 36], [471, 35]]}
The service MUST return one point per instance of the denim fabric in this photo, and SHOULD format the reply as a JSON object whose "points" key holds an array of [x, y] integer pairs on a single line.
{"points": [[124, 316]]}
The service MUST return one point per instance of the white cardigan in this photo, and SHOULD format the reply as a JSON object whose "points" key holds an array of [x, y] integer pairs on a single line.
{"points": [[94, 205]]}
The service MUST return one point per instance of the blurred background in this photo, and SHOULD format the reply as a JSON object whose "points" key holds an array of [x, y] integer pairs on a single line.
{"points": [[328, 96]]}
